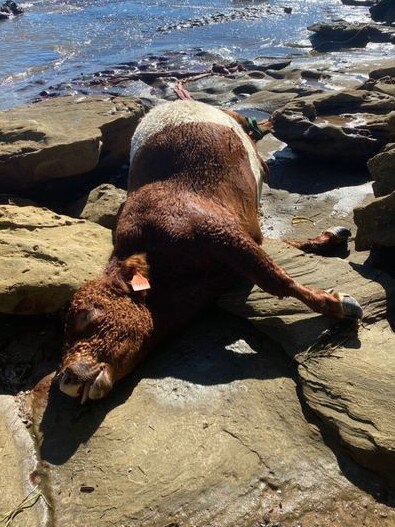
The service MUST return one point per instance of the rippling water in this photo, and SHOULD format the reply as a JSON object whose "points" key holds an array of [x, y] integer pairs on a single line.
{"points": [[55, 41]]}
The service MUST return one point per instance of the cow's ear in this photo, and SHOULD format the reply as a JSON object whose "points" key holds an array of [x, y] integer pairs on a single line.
{"points": [[135, 272]]}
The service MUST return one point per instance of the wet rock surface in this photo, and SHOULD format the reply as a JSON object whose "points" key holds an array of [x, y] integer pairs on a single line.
{"points": [[211, 79], [351, 125], [154, 77]]}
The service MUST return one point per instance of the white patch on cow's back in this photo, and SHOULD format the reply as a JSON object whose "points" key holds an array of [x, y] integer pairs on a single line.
{"points": [[179, 112]]}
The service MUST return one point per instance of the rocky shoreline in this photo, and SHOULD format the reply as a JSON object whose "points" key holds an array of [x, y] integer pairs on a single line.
{"points": [[284, 420], [9, 9]]}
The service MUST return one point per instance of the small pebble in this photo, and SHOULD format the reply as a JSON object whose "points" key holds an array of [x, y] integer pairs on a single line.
{"points": [[86, 488]]}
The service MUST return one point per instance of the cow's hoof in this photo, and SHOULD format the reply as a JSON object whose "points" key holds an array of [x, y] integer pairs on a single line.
{"points": [[350, 307], [342, 233]]}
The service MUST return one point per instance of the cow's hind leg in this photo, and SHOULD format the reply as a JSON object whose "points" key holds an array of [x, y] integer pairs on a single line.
{"points": [[327, 243], [222, 236]]}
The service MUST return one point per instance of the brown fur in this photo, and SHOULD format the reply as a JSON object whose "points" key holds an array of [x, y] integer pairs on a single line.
{"points": [[192, 211], [324, 244]]}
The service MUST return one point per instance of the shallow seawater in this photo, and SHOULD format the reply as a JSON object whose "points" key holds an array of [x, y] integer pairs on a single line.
{"points": [[55, 41]]}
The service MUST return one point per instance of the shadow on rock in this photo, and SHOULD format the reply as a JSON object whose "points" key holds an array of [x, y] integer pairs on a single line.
{"points": [[379, 307], [62, 424], [217, 349], [382, 258], [290, 323], [29, 350], [289, 171], [361, 477]]}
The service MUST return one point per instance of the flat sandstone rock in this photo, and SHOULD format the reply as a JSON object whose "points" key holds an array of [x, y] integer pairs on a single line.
{"points": [[210, 432], [347, 376], [63, 137], [45, 257]]}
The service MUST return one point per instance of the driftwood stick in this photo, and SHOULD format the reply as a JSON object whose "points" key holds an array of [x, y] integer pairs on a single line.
{"points": [[151, 76]]}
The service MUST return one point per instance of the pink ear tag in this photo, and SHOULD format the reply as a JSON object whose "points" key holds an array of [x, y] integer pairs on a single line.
{"points": [[139, 283]]}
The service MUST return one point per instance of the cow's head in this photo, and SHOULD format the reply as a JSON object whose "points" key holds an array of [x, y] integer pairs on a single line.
{"points": [[106, 329]]}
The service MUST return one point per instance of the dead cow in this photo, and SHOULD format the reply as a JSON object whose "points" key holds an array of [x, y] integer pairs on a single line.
{"points": [[187, 231]]}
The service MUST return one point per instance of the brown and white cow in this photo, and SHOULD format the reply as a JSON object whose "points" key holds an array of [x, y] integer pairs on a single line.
{"points": [[187, 231]]}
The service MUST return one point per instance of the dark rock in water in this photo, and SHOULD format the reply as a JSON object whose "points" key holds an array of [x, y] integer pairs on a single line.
{"points": [[383, 72], [9, 8], [265, 101], [15, 9], [264, 64], [311, 74], [340, 34], [208, 56], [383, 11], [360, 3], [46, 94], [288, 10], [254, 12]]}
